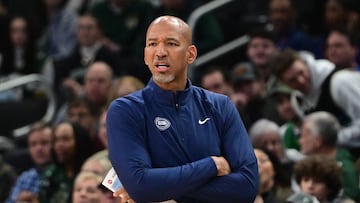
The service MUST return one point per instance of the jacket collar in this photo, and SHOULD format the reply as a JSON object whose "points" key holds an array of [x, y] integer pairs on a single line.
{"points": [[165, 97]]}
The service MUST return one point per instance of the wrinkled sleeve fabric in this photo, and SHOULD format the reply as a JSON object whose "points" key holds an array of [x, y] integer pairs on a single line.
{"points": [[242, 184], [126, 128], [345, 91]]}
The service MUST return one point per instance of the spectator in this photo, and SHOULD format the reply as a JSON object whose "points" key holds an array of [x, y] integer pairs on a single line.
{"points": [[40, 145], [290, 130], [125, 85], [89, 49], [18, 58], [320, 176], [250, 95], [216, 79], [342, 49], [342, 14], [124, 24], [83, 112], [266, 134], [97, 85], [319, 136], [7, 179], [96, 164], [283, 14], [323, 89], [86, 188], [260, 49], [72, 146], [274, 185], [58, 40], [19, 55]]}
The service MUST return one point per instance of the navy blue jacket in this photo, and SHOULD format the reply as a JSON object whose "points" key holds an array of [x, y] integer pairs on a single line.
{"points": [[160, 145]]}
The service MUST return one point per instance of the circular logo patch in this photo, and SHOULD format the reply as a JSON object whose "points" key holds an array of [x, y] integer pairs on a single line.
{"points": [[162, 123]]}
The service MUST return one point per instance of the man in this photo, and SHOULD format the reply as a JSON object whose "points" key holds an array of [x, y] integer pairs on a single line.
{"points": [[283, 15], [173, 140], [249, 95], [97, 84], [260, 49], [323, 89], [319, 136], [216, 79], [40, 145], [342, 49], [90, 49], [96, 89]]}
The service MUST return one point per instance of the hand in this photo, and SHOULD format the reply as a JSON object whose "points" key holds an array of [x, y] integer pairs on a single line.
{"points": [[75, 87], [239, 99], [26, 196], [122, 193], [222, 165], [108, 43]]}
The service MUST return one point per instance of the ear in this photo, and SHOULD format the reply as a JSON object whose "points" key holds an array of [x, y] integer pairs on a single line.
{"points": [[146, 63], [318, 142], [192, 54]]}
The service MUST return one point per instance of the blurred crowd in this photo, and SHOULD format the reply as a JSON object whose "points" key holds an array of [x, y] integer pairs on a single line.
{"points": [[296, 86]]}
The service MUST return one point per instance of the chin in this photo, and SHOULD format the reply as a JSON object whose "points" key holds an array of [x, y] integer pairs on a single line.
{"points": [[164, 78]]}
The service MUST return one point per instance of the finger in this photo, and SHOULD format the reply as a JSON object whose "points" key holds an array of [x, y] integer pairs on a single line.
{"points": [[119, 192], [130, 201]]}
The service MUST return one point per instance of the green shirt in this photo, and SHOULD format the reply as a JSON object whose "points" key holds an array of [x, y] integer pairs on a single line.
{"points": [[55, 186], [349, 174]]}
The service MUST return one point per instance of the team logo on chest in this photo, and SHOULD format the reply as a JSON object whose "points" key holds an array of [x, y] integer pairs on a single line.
{"points": [[162, 123]]}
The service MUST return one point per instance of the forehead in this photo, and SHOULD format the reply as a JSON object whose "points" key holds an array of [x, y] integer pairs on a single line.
{"points": [[307, 124], [269, 136], [41, 134], [337, 36], [87, 20], [64, 128], [18, 22], [165, 30], [280, 4], [99, 71], [263, 40], [216, 75]]}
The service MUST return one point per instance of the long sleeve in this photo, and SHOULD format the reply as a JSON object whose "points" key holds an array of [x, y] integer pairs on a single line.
{"points": [[345, 90], [161, 144], [241, 185], [126, 131]]}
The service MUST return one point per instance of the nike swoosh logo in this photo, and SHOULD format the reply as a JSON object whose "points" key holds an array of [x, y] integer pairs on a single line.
{"points": [[201, 122]]}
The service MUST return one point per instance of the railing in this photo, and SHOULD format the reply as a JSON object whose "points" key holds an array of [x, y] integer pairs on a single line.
{"points": [[219, 51], [25, 80], [225, 48]]}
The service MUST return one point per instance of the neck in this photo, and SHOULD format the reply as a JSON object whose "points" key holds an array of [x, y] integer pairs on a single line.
{"points": [[173, 86], [330, 151], [69, 169]]}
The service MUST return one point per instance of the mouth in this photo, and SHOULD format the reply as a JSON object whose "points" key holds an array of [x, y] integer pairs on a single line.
{"points": [[162, 67]]}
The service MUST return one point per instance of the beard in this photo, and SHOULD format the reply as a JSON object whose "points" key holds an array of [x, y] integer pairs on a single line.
{"points": [[164, 78]]}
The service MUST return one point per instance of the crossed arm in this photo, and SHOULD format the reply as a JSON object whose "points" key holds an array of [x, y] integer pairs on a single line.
{"points": [[229, 177]]}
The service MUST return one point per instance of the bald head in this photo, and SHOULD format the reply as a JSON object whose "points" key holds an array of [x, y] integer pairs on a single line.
{"points": [[175, 23], [98, 81], [100, 68]]}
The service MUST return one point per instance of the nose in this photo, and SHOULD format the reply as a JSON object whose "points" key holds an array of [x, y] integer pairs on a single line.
{"points": [[308, 186], [161, 51], [81, 193]]}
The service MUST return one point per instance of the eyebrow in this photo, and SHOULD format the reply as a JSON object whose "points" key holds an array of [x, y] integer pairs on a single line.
{"points": [[167, 39]]}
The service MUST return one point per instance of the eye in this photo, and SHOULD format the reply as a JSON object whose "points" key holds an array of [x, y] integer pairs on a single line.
{"points": [[151, 44], [172, 44]]}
